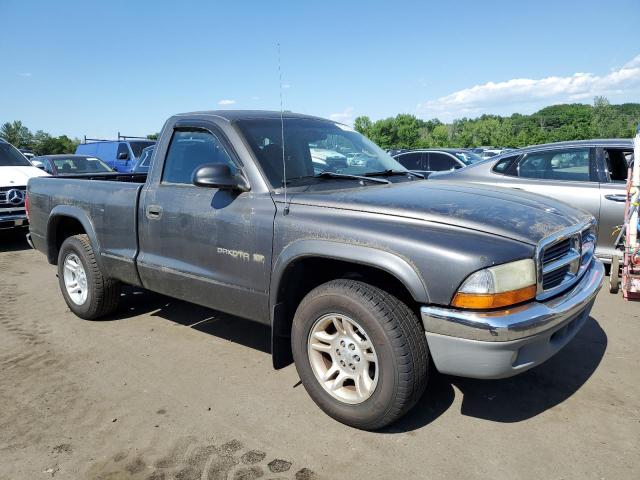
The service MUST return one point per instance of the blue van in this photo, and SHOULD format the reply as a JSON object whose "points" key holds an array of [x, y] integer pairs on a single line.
{"points": [[121, 155]]}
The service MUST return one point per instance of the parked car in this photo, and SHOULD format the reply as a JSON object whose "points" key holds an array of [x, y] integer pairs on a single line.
{"points": [[365, 275], [143, 163], [429, 160], [121, 155], [27, 153], [490, 152], [395, 151], [588, 174], [15, 171], [70, 164]]}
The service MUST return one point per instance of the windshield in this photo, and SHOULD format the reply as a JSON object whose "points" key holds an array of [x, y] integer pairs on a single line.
{"points": [[11, 157], [312, 146], [468, 158], [145, 157], [138, 145], [72, 165]]}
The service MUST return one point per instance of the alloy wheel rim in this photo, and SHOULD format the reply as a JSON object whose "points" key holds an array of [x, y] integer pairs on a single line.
{"points": [[75, 279], [342, 358]]}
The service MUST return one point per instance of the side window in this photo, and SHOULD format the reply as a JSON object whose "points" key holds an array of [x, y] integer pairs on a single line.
{"points": [[122, 148], [617, 163], [188, 150], [47, 166], [411, 161], [502, 166], [564, 165], [439, 162]]}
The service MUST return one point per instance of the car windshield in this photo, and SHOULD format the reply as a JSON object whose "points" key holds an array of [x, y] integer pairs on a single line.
{"points": [[71, 165], [145, 157], [11, 157], [138, 145], [312, 146], [468, 158]]}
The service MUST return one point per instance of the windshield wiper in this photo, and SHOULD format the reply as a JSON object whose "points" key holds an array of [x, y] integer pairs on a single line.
{"points": [[389, 172], [327, 174]]}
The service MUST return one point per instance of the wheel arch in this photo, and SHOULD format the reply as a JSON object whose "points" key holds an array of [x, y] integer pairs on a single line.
{"points": [[64, 222], [327, 260]]}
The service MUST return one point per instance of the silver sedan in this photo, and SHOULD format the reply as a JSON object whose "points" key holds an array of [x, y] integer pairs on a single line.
{"points": [[590, 174]]}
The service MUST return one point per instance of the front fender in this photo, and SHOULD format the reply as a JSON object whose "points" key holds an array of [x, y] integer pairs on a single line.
{"points": [[373, 257], [69, 211]]}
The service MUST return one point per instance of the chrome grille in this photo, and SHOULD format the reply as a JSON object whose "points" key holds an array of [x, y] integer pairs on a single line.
{"points": [[554, 278], [557, 250], [4, 204], [563, 257]]}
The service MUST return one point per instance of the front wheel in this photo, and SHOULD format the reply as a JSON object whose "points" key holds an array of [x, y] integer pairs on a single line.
{"points": [[360, 353], [87, 291]]}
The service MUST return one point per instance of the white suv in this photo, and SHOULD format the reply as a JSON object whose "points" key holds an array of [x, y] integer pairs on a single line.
{"points": [[15, 171]]}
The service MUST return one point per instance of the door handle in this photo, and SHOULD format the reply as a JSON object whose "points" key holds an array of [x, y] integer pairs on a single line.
{"points": [[616, 198], [154, 212]]}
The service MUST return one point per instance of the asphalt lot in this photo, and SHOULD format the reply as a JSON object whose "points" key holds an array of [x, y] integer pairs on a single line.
{"points": [[168, 390]]}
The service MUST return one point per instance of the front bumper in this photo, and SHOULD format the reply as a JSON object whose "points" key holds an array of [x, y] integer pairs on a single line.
{"points": [[13, 220], [503, 343]]}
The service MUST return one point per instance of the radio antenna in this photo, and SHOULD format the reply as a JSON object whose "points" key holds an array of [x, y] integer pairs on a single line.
{"points": [[284, 163]]}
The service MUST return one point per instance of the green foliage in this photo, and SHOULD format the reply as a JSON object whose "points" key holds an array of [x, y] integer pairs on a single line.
{"points": [[16, 134], [41, 143], [551, 124], [45, 144], [153, 136]]}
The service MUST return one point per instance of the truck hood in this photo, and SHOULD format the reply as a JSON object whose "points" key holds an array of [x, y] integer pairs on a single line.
{"points": [[18, 176], [518, 215]]}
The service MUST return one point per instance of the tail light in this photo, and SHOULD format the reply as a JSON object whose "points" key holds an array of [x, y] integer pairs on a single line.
{"points": [[26, 204]]}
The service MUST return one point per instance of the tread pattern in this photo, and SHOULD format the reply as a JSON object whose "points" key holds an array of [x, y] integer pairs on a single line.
{"points": [[105, 292], [407, 337]]}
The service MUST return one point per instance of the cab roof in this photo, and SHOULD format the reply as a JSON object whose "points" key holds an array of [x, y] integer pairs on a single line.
{"points": [[235, 115]]}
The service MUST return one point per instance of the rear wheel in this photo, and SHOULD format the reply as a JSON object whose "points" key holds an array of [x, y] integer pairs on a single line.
{"points": [[360, 353], [88, 293]]}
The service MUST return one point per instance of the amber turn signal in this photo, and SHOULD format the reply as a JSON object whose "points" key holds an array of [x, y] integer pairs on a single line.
{"points": [[484, 301]]}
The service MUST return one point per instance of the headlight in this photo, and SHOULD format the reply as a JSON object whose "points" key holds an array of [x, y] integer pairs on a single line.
{"points": [[498, 286]]}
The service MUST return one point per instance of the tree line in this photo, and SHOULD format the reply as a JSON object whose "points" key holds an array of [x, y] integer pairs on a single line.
{"points": [[40, 142], [551, 124]]}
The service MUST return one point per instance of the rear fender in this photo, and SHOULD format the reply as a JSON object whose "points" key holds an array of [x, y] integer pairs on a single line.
{"points": [[61, 212]]}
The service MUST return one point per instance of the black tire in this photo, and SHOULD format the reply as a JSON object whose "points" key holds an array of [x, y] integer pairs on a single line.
{"points": [[614, 275], [398, 339], [103, 294]]}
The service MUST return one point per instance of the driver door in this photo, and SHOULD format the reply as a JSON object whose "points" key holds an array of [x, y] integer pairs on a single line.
{"points": [[203, 244]]}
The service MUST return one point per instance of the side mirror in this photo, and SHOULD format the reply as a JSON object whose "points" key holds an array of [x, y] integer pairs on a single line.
{"points": [[216, 175], [40, 166], [123, 156]]}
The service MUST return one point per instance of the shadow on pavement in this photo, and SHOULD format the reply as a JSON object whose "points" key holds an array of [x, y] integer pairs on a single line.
{"points": [[13, 240], [517, 398], [136, 301], [508, 400]]}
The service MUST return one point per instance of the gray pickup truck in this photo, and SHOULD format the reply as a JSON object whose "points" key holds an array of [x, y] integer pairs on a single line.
{"points": [[370, 277]]}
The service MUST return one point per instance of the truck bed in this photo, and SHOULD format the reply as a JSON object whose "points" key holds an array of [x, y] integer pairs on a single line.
{"points": [[107, 206], [112, 176]]}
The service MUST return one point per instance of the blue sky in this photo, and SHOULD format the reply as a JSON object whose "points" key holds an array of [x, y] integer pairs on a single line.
{"points": [[96, 68]]}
